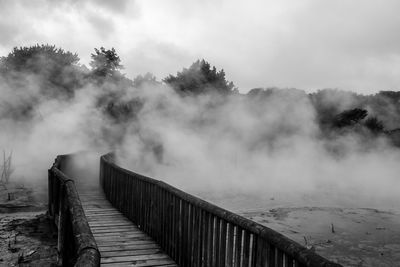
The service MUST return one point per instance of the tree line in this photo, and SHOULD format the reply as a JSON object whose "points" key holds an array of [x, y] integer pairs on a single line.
{"points": [[58, 74]]}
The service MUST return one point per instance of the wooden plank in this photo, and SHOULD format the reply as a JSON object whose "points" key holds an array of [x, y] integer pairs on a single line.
{"points": [[217, 242], [196, 250], [133, 258], [136, 247], [121, 242], [222, 252], [122, 235], [100, 214], [108, 220], [116, 230], [279, 257], [246, 248], [238, 246], [97, 206], [98, 198], [288, 261], [122, 229], [210, 240], [169, 235], [229, 249], [115, 217], [106, 216], [271, 255], [205, 238], [161, 263], [96, 202], [122, 239], [132, 252], [101, 210], [94, 210], [124, 243], [105, 227], [183, 233], [111, 224]]}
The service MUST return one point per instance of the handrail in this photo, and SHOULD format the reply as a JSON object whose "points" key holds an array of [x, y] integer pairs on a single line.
{"points": [[195, 232], [76, 245]]}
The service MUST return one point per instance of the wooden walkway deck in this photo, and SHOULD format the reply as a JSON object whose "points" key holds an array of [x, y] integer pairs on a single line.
{"points": [[121, 243]]}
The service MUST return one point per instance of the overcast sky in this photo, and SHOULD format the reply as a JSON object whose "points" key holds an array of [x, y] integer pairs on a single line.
{"points": [[307, 44]]}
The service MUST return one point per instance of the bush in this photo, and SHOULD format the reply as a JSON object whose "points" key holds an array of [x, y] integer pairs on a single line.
{"points": [[374, 125], [57, 71], [105, 63], [200, 78], [349, 117]]}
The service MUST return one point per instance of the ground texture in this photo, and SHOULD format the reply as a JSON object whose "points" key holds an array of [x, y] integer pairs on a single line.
{"points": [[347, 234], [27, 237]]}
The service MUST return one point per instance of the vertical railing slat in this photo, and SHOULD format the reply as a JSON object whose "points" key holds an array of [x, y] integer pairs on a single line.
{"points": [[238, 246], [205, 238], [217, 241], [246, 249], [197, 233], [230, 245], [223, 242], [279, 257], [261, 252], [191, 231]]}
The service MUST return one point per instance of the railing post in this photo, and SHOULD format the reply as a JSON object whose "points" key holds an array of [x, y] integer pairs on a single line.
{"points": [[61, 225], [50, 194], [75, 243]]}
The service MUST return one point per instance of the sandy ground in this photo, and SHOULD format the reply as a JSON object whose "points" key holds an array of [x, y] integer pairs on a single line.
{"points": [[27, 237], [349, 235]]}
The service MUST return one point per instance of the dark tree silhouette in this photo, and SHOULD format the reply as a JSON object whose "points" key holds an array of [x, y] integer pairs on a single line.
{"points": [[106, 66], [105, 62], [395, 96], [375, 125], [349, 117], [37, 59], [147, 79], [58, 72], [200, 78]]}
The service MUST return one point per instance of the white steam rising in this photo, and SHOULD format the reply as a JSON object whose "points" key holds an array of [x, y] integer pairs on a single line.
{"points": [[210, 145], [258, 147]]}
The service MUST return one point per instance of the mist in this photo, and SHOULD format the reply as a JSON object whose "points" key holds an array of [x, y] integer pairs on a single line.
{"points": [[268, 144], [56, 127], [286, 113], [267, 149]]}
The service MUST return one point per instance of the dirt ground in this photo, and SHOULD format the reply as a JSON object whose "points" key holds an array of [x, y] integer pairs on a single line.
{"points": [[345, 234], [349, 236], [27, 237], [338, 230], [17, 197]]}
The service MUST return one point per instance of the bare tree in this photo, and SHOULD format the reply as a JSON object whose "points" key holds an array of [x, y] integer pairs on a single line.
{"points": [[6, 168]]}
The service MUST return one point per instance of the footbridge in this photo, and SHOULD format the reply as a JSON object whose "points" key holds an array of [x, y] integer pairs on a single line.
{"points": [[127, 219]]}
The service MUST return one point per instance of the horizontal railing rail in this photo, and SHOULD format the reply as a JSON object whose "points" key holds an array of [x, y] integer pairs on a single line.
{"points": [[76, 245], [197, 233]]}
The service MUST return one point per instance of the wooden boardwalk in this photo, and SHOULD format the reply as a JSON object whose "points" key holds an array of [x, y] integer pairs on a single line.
{"points": [[121, 243]]}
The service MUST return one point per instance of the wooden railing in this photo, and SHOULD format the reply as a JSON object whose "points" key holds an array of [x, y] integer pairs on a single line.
{"points": [[194, 232], [76, 244]]}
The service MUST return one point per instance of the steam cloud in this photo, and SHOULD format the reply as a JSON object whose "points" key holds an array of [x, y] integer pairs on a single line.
{"points": [[267, 148], [208, 145]]}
